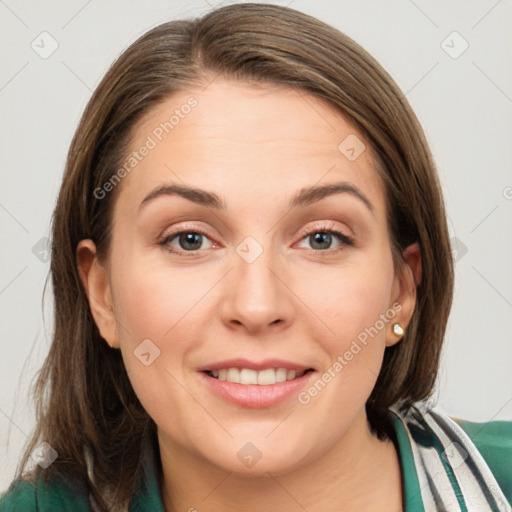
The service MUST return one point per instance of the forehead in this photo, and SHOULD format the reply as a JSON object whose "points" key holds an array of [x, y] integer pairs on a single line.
{"points": [[252, 140]]}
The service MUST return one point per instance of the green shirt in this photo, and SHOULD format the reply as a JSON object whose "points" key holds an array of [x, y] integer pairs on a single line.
{"points": [[445, 464]]}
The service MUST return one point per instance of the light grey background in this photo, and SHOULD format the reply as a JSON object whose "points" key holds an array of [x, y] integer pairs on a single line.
{"points": [[463, 101]]}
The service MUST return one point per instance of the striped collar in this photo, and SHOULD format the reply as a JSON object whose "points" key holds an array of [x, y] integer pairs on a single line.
{"points": [[441, 467]]}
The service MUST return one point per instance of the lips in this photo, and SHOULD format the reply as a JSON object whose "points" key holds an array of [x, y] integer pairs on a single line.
{"points": [[255, 384], [263, 373]]}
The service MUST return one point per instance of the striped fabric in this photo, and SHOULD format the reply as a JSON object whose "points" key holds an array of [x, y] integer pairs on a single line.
{"points": [[452, 474]]}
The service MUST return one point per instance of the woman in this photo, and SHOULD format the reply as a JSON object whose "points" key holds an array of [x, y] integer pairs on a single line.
{"points": [[252, 277]]}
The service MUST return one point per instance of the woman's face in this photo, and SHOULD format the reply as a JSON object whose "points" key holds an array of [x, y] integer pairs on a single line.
{"points": [[255, 271]]}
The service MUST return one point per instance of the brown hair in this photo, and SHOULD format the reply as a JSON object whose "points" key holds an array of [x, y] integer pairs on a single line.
{"points": [[83, 394]]}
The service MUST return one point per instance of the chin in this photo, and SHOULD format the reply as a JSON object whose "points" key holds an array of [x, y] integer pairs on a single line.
{"points": [[258, 456]]}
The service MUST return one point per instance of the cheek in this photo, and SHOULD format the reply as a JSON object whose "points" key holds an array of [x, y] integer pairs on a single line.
{"points": [[354, 345], [155, 300], [351, 300], [170, 308], [158, 304], [350, 320]]}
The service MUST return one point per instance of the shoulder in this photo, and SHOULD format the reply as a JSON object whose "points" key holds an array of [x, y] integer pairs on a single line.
{"points": [[21, 495], [456, 460], [43, 496], [494, 442]]}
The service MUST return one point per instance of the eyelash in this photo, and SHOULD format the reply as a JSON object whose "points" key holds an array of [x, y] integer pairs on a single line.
{"points": [[344, 239]]}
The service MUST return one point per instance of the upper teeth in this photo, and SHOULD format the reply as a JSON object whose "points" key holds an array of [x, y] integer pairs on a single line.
{"points": [[263, 377]]}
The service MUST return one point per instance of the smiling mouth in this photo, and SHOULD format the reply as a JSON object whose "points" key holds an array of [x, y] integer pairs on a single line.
{"points": [[247, 376]]}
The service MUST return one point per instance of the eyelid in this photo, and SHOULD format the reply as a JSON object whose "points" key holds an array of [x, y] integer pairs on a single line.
{"points": [[321, 225], [185, 227], [318, 227]]}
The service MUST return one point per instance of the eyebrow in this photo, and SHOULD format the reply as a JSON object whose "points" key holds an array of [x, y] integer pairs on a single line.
{"points": [[304, 197]]}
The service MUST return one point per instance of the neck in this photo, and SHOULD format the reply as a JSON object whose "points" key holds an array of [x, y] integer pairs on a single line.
{"points": [[359, 472]]}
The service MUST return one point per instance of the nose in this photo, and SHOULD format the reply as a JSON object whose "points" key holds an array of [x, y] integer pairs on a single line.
{"points": [[257, 298]]}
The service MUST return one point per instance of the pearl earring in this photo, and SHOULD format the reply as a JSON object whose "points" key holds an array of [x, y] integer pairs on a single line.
{"points": [[398, 330]]}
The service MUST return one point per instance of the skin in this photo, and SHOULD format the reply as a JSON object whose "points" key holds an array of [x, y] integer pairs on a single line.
{"points": [[255, 147]]}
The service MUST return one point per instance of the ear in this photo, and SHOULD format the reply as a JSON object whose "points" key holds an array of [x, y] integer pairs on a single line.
{"points": [[94, 278], [404, 291]]}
